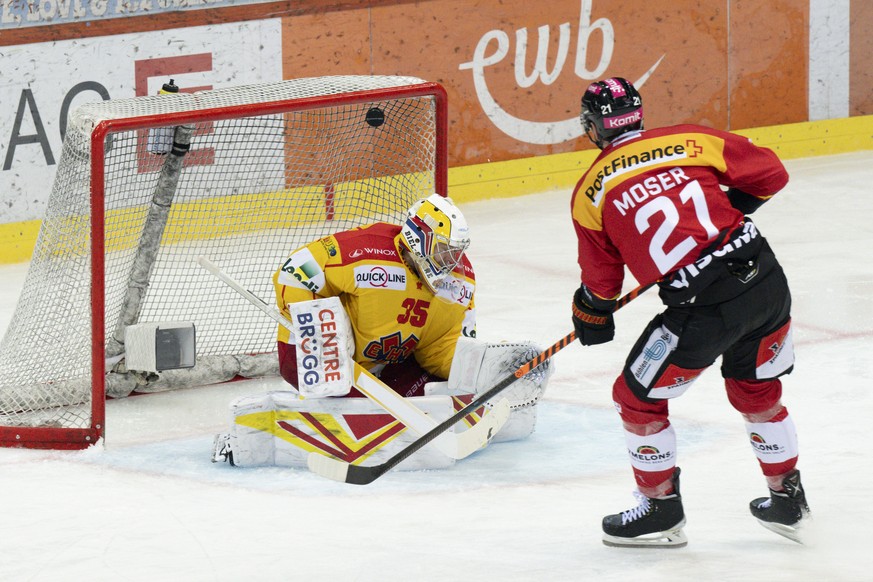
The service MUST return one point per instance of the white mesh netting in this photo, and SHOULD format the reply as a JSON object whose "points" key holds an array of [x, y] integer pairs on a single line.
{"points": [[263, 176]]}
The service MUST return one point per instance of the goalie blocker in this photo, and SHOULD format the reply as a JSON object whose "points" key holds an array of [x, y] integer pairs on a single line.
{"points": [[322, 332], [283, 427]]}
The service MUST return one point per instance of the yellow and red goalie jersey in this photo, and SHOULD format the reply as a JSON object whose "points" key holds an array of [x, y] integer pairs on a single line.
{"points": [[653, 201], [394, 314]]}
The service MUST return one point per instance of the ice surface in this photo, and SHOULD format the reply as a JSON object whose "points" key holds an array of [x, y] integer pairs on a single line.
{"points": [[150, 505]]}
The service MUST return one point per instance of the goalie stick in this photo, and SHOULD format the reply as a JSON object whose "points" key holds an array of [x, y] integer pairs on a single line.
{"points": [[454, 445], [458, 445], [361, 475]]}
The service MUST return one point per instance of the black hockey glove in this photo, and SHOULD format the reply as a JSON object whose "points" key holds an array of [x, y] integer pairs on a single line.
{"points": [[592, 317], [745, 203]]}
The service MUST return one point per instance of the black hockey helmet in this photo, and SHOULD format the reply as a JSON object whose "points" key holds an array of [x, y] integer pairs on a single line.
{"points": [[612, 107]]}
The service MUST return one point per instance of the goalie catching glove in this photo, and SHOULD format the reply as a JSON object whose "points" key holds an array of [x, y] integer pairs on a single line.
{"points": [[592, 317], [477, 366]]}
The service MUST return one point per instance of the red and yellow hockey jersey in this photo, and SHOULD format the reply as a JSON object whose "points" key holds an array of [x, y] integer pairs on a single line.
{"points": [[394, 315], [653, 200]]}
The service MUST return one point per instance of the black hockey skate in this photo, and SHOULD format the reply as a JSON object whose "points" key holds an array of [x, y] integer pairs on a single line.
{"points": [[783, 511], [655, 522]]}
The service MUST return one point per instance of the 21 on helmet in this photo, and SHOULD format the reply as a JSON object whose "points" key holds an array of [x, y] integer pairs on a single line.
{"points": [[610, 107], [436, 235]]}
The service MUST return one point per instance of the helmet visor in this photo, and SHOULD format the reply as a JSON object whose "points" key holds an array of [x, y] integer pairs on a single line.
{"points": [[447, 255]]}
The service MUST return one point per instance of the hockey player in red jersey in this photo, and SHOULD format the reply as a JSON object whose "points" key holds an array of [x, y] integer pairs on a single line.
{"points": [[408, 291], [671, 205]]}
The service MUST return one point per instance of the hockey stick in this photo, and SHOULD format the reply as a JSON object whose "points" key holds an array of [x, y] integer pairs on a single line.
{"points": [[454, 445], [457, 445], [359, 475]]}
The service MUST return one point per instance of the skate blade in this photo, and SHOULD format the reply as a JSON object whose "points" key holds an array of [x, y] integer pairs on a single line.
{"points": [[786, 531], [671, 538]]}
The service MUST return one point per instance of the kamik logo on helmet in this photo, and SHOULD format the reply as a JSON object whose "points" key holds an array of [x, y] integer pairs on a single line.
{"points": [[615, 87], [623, 120]]}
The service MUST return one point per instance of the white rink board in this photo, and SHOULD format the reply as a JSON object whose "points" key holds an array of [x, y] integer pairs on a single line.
{"points": [[38, 80], [19, 13]]}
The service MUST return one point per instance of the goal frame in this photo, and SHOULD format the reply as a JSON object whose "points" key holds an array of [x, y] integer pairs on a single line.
{"points": [[80, 438]]}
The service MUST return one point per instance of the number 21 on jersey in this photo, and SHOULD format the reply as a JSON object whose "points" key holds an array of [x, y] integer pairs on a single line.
{"points": [[666, 259]]}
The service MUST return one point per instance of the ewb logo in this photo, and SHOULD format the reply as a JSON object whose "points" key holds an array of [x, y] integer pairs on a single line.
{"points": [[536, 132]]}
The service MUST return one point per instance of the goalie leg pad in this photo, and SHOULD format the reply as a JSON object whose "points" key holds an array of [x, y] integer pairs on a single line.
{"points": [[521, 424], [280, 429]]}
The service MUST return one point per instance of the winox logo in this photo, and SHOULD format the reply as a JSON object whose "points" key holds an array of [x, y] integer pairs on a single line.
{"points": [[367, 251], [380, 277]]}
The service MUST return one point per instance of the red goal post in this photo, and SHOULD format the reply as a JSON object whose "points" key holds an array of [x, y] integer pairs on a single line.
{"points": [[269, 167]]}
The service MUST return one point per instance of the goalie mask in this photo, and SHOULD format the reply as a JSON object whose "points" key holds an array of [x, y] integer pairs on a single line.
{"points": [[436, 235], [610, 107]]}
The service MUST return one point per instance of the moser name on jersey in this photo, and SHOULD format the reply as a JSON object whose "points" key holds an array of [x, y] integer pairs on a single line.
{"points": [[651, 186], [380, 277]]}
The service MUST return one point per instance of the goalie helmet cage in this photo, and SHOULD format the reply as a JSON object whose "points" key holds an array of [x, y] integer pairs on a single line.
{"points": [[270, 167]]}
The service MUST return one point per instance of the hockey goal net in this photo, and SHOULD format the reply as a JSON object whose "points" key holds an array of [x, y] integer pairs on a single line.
{"points": [[268, 168]]}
